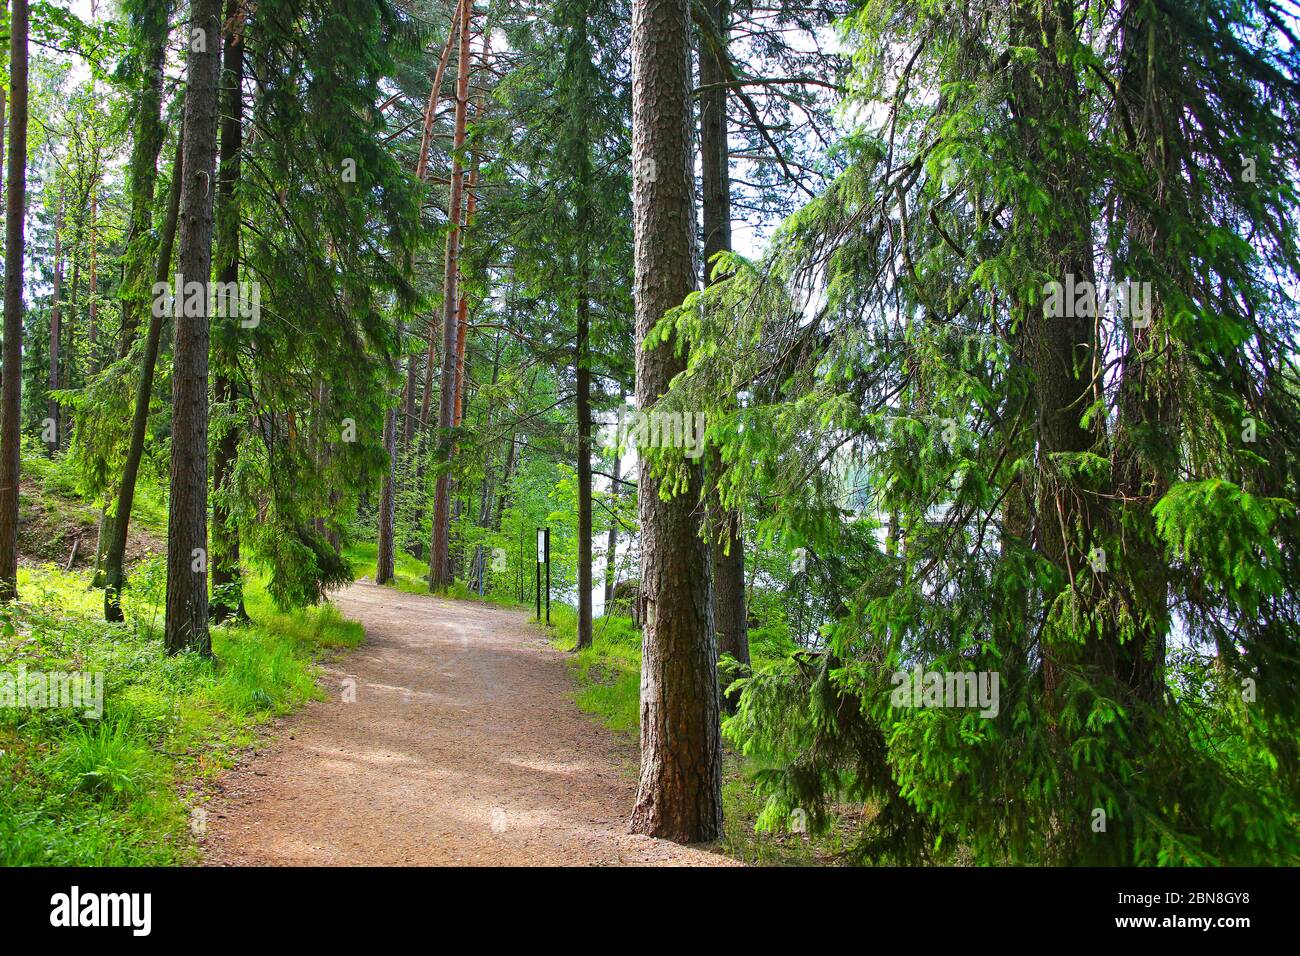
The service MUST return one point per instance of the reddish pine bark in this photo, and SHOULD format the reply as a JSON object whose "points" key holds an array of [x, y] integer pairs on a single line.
{"points": [[679, 792]]}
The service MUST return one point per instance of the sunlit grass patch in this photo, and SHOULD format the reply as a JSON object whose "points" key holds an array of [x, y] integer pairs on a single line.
{"points": [[80, 791], [409, 575]]}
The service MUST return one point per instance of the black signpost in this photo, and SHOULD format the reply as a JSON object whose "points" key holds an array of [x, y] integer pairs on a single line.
{"points": [[544, 557]]}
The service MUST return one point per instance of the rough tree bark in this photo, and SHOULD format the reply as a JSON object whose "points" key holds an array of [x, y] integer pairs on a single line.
{"points": [[92, 307], [187, 528], [421, 168], [440, 535], [1149, 412], [726, 546], [582, 350], [583, 361], [11, 388], [146, 145], [387, 503], [1060, 349], [56, 322], [611, 543], [226, 588], [679, 792]]}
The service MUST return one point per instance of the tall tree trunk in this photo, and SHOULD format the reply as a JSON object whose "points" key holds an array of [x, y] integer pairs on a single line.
{"points": [[146, 146], [387, 503], [11, 388], [471, 206], [227, 590], [485, 496], [147, 141], [1059, 348], [426, 141], [386, 545], [418, 434], [440, 535], [408, 402], [115, 555], [92, 307], [679, 795], [187, 529], [611, 543], [583, 362], [418, 424], [462, 308], [1146, 448], [68, 328], [580, 58], [435, 90], [726, 543], [52, 412], [506, 472]]}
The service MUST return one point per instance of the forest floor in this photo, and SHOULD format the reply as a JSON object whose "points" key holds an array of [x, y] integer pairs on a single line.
{"points": [[449, 737]]}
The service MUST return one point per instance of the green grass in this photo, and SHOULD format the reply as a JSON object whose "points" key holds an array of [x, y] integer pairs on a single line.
{"points": [[409, 575], [118, 791], [608, 672]]}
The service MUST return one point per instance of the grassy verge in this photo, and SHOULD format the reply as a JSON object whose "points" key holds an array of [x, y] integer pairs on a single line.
{"points": [[116, 790], [409, 575], [609, 687], [608, 672]]}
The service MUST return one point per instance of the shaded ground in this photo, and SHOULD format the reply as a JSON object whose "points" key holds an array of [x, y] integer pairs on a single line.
{"points": [[462, 746], [50, 526]]}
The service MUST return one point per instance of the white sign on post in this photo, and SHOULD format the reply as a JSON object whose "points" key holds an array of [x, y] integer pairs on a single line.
{"points": [[541, 545]]}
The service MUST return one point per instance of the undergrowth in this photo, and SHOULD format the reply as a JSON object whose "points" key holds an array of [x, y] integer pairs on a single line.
{"points": [[116, 790], [609, 688]]}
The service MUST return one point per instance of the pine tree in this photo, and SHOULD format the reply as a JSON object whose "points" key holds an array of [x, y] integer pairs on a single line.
{"points": [[440, 573], [1043, 462], [679, 795], [726, 544], [227, 589], [15, 249], [187, 509]]}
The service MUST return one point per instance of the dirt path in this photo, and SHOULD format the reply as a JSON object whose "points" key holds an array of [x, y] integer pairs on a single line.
{"points": [[463, 747]]}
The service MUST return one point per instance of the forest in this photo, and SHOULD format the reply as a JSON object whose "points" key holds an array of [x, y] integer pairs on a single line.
{"points": [[861, 432]]}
